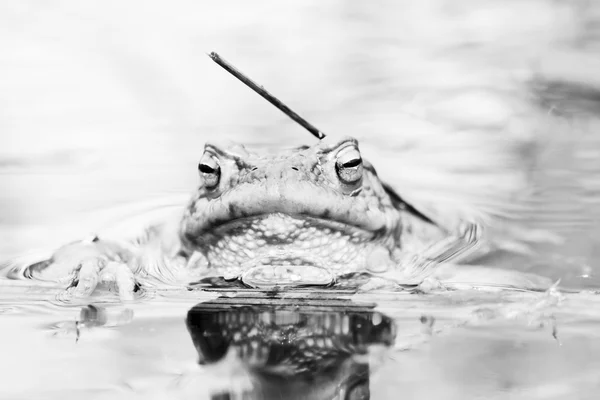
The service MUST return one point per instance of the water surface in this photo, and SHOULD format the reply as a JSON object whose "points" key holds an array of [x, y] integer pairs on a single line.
{"points": [[106, 106]]}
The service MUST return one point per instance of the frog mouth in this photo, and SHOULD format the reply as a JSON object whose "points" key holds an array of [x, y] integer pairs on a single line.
{"points": [[299, 200], [282, 219]]}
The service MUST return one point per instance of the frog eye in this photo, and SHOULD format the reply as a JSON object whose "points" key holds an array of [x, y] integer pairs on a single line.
{"points": [[210, 171], [349, 166]]}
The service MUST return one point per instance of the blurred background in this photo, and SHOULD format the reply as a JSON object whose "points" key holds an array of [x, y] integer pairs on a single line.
{"points": [[105, 103]]}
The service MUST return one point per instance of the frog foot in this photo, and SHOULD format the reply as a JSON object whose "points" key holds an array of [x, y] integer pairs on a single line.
{"points": [[94, 271], [83, 266]]}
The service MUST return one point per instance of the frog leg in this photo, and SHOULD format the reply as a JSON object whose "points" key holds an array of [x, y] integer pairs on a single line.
{"points": [[441, 266], [101, 269], [465, 242], [82, 265], [94, 271], [412, 266], [436, 267]]}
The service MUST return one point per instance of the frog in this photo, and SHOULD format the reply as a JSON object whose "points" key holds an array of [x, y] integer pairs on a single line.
{"points": [[309, 216]]}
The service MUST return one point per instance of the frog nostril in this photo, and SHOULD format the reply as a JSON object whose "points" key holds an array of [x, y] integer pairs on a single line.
{"points": [[295, 169]]}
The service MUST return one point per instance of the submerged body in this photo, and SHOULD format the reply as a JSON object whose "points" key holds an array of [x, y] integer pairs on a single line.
{"points": [[307, 216]]}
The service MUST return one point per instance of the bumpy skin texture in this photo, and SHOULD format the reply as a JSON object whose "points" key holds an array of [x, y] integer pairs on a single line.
{"points": [[294, 208], [302, 217]]}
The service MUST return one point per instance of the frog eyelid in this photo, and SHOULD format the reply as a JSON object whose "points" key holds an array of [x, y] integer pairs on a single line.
{"points": [[348, 154], [221, 153]]}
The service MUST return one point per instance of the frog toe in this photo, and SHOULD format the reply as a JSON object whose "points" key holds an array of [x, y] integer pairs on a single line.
{"points": [[88, 276], [122, 279]]}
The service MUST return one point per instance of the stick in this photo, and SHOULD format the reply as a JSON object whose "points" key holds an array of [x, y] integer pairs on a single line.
{"points": [[266, 95]]}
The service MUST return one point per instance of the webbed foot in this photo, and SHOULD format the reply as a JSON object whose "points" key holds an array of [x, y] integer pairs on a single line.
{"points": [[95, 271], [82, 266]]}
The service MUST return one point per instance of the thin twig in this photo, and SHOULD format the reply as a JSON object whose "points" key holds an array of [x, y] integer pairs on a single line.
{"points": [[266, 95]]}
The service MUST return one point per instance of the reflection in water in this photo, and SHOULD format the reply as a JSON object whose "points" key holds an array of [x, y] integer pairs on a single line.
{"points": [[92, 316], [312, 350]]}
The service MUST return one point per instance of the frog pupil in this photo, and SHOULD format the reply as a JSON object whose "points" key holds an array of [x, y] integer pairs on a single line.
{"points": [[352, 163], [206, 169]]}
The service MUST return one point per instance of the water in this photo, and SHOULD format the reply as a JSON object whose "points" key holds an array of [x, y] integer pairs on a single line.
{"points": [[456, 345], [106, 105]]}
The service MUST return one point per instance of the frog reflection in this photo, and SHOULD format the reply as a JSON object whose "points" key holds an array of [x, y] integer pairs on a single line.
{"points": [[314, 351]]}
